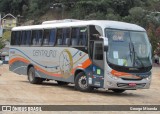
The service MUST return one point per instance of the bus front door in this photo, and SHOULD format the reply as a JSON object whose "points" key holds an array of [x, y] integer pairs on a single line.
{"points": [[98, 64]]}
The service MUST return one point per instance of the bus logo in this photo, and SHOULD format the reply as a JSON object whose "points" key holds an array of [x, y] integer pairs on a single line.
{"points": [[66, 63]]}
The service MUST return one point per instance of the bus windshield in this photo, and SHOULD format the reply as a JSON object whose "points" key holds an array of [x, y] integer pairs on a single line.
{"points": [[128, 48]]}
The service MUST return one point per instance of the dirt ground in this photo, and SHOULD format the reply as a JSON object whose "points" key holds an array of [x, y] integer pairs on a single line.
{"points": [[16, 90]]}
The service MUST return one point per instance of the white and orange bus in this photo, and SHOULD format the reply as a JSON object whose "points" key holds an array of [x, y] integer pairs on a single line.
{"points": [[91, 54]]}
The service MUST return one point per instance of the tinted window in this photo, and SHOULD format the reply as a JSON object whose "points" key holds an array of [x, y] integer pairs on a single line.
{"points": [[95, 32], [13, 37], [37, 37], [98, 51], [91, 47], [17, 37], [28, 37], [79, 36], [52, 37], [75, 34], [83, 37], [66, 36], [33, 37], [23, 39], [59, 36], [46, 37]]}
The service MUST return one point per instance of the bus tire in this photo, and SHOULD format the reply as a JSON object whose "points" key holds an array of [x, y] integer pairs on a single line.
{"points": [[118, 90], [81, 83], [31, 77], [62, 83]]}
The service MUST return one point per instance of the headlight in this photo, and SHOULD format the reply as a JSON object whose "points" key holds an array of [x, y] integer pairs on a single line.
{"points": [[148, 78], [116, 78], [113, 77]]}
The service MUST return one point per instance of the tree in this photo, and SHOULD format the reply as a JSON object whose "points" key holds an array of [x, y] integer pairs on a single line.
{"points": [[96, 16], [121, 7], [138, 15], [152, 38], [157, 33], [1, 44], [6, 36], [157, 51]]}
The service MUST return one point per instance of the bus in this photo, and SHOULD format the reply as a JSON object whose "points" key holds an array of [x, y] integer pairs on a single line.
{"points": [[91, 54]]}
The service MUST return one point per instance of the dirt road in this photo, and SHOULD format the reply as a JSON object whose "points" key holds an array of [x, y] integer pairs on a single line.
{"points": [[15, 89]]}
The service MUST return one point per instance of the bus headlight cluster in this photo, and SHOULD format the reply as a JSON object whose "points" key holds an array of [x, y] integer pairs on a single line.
{"points": [[148, 78]]}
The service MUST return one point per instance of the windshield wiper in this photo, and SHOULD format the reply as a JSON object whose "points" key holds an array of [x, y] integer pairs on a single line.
{"points": [[136, 56], [131, 51]]}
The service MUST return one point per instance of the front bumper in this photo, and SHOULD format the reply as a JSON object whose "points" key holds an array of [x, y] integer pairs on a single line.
{"points": [[127, 84]]}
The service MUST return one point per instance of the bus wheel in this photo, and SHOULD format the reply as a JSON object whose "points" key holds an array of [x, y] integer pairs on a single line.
{"points": [[81, 83], [118, 90], [31, 77], [62, 83]]}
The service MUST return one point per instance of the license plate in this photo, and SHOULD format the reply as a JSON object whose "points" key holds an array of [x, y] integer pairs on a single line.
{"points": [[132, 84]]}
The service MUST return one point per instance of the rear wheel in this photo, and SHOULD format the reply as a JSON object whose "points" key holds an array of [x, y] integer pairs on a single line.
{"points": [[62, 83], [81, 83], [31, 77], [118, 90]]}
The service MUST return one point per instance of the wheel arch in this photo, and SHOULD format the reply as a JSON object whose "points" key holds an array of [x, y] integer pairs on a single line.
{"points": [[77, 72], [29, 66]]}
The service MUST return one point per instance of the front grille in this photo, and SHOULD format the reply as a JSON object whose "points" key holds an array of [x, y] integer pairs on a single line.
{"points": [[126, 85]]}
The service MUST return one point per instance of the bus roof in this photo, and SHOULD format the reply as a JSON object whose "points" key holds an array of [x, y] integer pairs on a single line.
{"points": [[60, 21], [102, 23]]}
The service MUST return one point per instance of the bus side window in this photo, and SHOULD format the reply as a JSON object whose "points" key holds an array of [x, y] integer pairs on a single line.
{"points": [[33, 37], [46, 37], [95, 32], [28, 37], [91, 49], [66, 36], [23, 39], [39, 34], [98, 51], [13, 38], [52, 37], [18, 37], [83, 37], [59, 37], [74, 36]]}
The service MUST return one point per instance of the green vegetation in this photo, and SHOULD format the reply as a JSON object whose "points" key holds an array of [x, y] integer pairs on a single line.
{"points": [[141, 12], [6, 36]]}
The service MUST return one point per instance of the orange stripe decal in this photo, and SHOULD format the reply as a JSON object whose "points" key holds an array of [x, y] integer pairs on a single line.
{"points": [[122, 74], [48, 73], [11, 61], [116, 73], [18, 59], [86, 63]]}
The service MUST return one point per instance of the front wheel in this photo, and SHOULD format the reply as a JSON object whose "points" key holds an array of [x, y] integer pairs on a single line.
{"points": [[81, 83], [118, 90], [31, 77]]}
